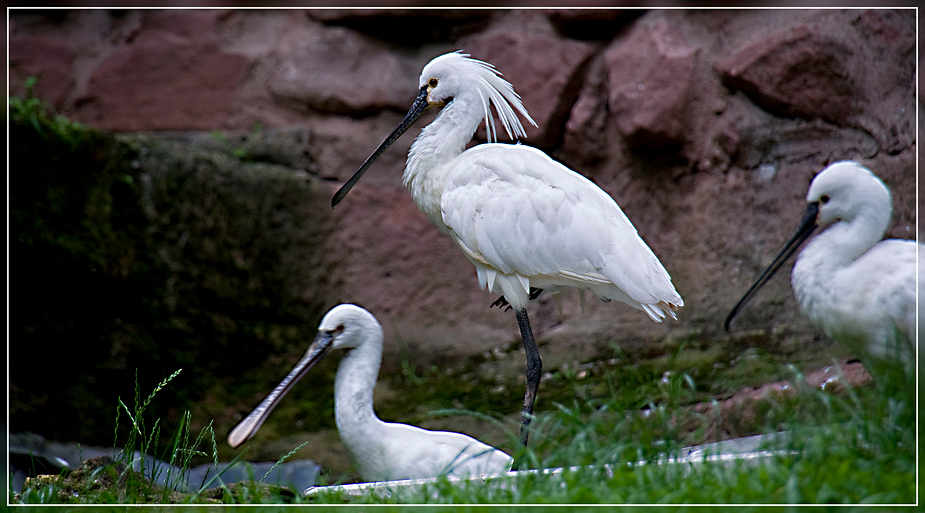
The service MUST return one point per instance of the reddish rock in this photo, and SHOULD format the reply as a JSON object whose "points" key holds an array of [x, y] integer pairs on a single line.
{"points": [[173, 77], [591, 24], [650, 76], [585, 137], [51, 61], [888, 30], [340, 71], [409, 27], [162, 87], [587, 16], [340, 145], [854, 70], [181, 26], [548, 81], [748, 404], [377, 15], [797, 73]]}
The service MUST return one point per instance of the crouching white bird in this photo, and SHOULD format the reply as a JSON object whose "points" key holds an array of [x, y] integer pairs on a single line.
{"points": [[524, 220], [858, 289], [381, 451]]}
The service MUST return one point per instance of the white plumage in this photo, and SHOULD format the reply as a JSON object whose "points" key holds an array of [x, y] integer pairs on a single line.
{"points": [[858, 289], [380, 450], [523, 219]]}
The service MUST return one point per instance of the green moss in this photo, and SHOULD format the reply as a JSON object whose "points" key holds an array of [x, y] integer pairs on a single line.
{"points": [[141, 253]]}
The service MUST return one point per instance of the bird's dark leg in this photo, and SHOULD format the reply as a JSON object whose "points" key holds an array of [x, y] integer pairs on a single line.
{"points": [[534, 370], [501, 302]]}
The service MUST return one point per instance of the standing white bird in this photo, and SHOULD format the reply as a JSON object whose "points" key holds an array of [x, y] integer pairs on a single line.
{"points": [[858, 289], [524, 220], [382, 451]]}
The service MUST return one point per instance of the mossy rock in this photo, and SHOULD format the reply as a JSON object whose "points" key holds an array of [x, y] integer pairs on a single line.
{"points": [[141, 253]]}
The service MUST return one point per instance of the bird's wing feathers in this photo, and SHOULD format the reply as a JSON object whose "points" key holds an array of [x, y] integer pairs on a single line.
{"points": [[518, 211], [472, 457], [892, 288], [427, 453]]}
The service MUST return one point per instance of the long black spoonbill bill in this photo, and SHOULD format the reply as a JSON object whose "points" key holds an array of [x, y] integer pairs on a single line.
{"points": [[524, 220], [858, 289], [381, 451]]}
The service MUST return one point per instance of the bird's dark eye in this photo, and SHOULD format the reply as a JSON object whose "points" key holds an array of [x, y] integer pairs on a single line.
{"points": [[432, 82], [339, 328], [823, 199]]}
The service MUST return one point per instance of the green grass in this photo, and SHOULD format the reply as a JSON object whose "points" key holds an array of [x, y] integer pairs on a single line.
{"points": [[864, 454], [850, 446], [36, 112], [113, 480]]}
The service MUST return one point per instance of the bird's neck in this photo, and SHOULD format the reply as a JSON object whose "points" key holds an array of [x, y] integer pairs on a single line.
{"points": [[426, 171], [353, 394], [836, 248], [843, 242]]}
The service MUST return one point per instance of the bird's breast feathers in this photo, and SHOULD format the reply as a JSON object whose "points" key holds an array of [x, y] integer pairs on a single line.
{"points": [[515, 209]]}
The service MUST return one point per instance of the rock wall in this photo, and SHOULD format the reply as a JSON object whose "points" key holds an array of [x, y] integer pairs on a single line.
{"points": [[705, 126]]}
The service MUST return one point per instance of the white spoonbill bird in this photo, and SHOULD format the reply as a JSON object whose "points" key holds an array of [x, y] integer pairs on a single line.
{"points": [[524, 220], [858, 289], [382, 451]]}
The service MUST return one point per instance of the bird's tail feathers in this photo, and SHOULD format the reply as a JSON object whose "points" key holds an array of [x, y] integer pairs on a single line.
{"points": [[658, 311]]}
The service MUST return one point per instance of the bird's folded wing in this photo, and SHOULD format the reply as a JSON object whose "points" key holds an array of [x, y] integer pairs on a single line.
{"points": [[889, 271], [518, 211]]}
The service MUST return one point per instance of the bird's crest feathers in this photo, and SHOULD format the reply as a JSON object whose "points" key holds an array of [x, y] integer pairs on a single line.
{"points": [[492, 89]]}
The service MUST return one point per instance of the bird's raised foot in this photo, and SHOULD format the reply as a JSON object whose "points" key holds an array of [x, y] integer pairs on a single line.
{"points": [[502, 303]]}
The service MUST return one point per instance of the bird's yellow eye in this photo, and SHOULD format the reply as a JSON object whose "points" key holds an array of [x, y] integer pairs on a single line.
{"points": [[432, 82]]}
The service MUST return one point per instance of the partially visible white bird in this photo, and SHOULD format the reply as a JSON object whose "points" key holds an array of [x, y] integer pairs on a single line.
{"points": [[524, 220], [381, 451], [858, 289]]}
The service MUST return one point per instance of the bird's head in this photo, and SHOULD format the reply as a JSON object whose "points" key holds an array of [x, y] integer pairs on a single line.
{"points": [[439, 81], [845, 189], [456, 74], [449, 77], [347, 326], [343, 327]]}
